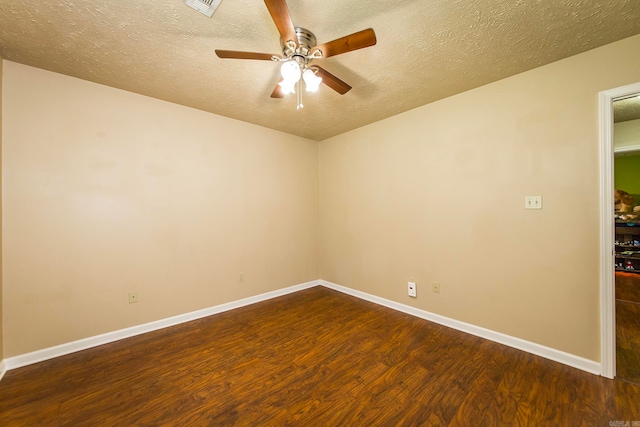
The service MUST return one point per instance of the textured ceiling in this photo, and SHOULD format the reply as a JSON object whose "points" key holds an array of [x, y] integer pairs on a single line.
{"points": [[427, 50], [626, 109]]}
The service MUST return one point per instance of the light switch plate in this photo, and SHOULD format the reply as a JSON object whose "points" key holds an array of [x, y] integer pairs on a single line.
{"points": [[533, 202]]}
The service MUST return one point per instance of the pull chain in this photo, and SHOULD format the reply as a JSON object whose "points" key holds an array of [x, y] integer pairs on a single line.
{"points": [[299, 95]]}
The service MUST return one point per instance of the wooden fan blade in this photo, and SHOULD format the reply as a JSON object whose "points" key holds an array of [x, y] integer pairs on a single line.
{"points": [[355, 41], [332, 81], [233, 54], [277, 91], [280, 14]]}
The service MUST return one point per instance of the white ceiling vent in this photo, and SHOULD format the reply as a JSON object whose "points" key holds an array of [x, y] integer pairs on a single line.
{"points": [[206, 7]]}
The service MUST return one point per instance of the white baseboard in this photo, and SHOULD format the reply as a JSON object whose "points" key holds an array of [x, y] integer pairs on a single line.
{"points": [[578, 362], [83, 344]]}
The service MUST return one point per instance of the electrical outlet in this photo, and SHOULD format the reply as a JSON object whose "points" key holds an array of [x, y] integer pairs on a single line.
{"points": [[133, 297], [436, 287], [533, 202], [412, 289], [241, 277]]}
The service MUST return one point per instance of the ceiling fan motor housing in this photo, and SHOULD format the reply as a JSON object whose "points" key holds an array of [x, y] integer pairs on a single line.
{"points": [[306, 41]]}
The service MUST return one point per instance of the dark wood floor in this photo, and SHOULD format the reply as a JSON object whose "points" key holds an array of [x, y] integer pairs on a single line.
{"points": [[313, 358], [628, 326]]}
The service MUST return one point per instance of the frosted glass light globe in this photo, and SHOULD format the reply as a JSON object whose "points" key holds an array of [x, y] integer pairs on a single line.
{"points": [[311, 81], [290, 71], [287, 87]]}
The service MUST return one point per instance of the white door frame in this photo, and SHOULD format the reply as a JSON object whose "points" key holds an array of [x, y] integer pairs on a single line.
{"points": [[607, 281]]}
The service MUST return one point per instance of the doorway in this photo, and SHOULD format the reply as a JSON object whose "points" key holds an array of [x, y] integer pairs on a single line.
{"points": [[607, 229]]}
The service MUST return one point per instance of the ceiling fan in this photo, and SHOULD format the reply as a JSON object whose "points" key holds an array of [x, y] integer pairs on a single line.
{"points": [[299, 49]]}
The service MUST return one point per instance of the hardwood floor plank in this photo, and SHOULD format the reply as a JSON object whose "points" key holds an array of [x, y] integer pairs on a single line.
{"points": [[316, 357], [627, 286], [473, 409], [628, 341]]}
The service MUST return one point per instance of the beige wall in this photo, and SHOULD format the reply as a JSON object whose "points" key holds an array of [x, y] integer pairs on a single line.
{"points": [[437, 194], [107, 192]]}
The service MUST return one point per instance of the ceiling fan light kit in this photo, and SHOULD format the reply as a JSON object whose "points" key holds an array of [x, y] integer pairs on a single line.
{"points": [[295, 65], [298, 50]]}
